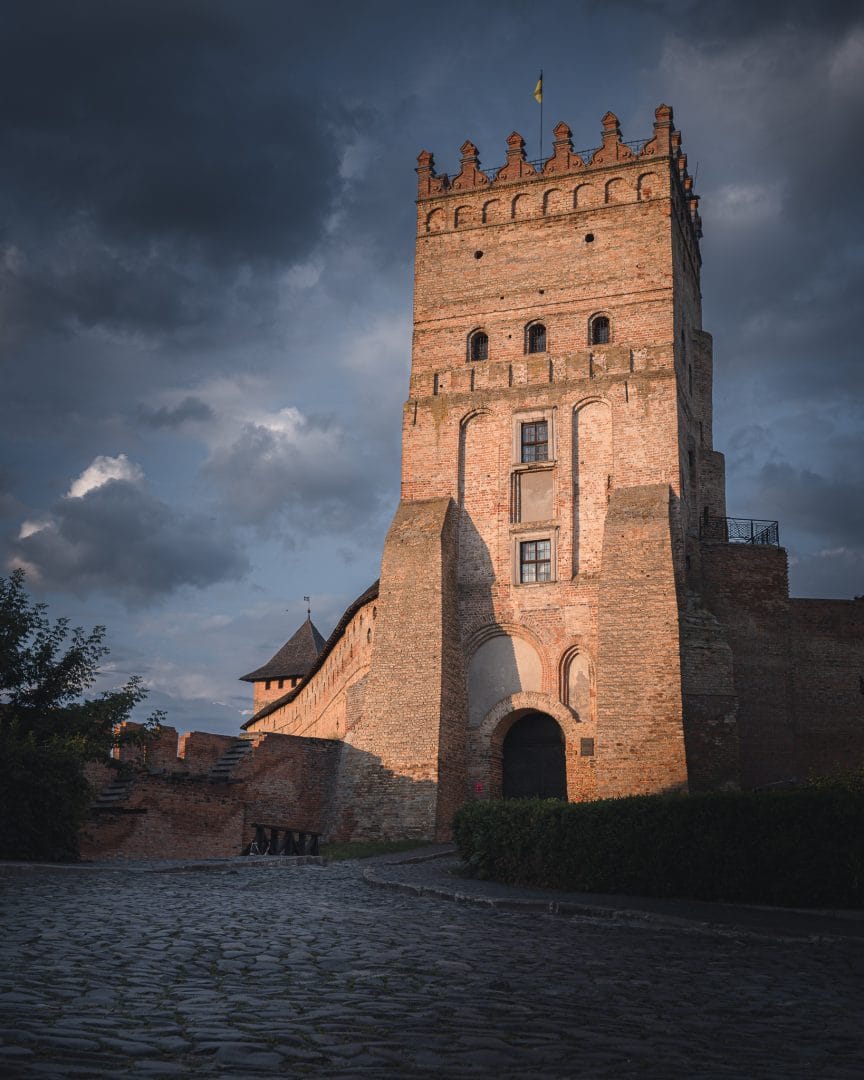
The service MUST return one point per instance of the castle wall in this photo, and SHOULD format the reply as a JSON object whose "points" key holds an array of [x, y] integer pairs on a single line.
{"points": [[181, 813], [639, 708], [402, 768], [747, 588], [827, 654], [323, 707]]}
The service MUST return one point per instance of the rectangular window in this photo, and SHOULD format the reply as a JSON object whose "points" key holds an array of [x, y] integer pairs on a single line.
{"points": [[535, 441], [535, 561]]}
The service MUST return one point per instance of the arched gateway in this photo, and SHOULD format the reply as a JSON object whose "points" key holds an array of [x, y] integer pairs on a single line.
{"points": [[533, 759]]}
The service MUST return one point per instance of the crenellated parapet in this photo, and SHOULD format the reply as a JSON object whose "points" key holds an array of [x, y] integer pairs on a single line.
{"points": [[613, 152]]}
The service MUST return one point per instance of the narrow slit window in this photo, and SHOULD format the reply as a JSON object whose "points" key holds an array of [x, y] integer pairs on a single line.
{"points": [[535, 441], [479, 346], [535, 561], [599, 331], [536, 338]]}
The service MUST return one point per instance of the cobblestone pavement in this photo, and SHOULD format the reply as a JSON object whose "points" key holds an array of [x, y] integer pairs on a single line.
{"points": [[239, 971]]}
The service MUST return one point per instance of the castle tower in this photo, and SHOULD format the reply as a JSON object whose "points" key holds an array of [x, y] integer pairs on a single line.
{"points": [[538, 627], [557, 458], [287, 666]]}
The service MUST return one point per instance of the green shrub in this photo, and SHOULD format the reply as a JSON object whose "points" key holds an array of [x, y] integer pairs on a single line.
{"points": [[795, 846]]}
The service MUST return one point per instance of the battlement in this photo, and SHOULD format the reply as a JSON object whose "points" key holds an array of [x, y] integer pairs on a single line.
{"points": [[613, 152]]}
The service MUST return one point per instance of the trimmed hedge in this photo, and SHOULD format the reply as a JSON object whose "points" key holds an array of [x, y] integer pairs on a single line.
{"points": [[801, 846]]}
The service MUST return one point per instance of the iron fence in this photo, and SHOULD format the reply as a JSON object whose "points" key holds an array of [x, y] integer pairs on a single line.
{"points": [[740, 531]]}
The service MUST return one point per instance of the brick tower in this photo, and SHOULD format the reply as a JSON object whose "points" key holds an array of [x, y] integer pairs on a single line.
{"points": [[556, 460]]}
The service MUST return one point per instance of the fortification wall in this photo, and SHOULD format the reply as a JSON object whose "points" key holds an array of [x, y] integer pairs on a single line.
{"points": [[639, 690], [323, 706], [284, 781], [827, 653], [402, 768], [747, 588]]}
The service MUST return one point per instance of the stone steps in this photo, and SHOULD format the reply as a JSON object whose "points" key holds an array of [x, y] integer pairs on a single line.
{"points": [[114, 794], [229, 761]]}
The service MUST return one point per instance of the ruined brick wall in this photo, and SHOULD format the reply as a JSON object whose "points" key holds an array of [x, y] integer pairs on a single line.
{"points": [[827, 654], [182, 813]]}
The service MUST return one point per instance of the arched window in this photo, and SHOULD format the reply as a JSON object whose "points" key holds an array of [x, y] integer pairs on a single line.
{"points": [[536, 338], [478, 346], [598, 330]]}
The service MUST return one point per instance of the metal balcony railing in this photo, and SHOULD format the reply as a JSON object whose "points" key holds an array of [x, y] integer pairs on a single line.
{"points": [[719, 530]]}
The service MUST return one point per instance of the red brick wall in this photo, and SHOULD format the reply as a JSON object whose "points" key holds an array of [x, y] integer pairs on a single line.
{"points": [[639, 709], [283, 781], [827, 652], [413, 710], [321, 708], [746, 587]]}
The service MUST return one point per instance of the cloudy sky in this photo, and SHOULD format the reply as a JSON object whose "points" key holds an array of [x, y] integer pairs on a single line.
{"points": [[206, 242]]}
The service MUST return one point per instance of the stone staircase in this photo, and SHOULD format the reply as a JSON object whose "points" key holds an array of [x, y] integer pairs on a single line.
{"points": [[114, 795], [229, 761]]}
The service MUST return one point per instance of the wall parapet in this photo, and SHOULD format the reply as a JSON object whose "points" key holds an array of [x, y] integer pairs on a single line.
{"points": [[665, 142]]}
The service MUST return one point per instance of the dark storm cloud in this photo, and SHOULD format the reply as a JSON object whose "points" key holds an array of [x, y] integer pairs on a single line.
{"points": [[306, 477], [189, 409], [120, 539], [784, 268], [148, 138], [828, 507]]}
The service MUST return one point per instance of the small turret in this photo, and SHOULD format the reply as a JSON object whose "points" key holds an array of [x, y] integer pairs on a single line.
{"points": [[284, 670]]}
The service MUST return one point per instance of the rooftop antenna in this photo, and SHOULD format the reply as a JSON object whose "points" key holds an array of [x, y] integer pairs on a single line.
{"points": [[309, 607]]}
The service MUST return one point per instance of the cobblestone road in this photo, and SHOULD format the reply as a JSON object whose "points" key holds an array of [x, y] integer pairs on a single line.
{"points": [[312, 972]]}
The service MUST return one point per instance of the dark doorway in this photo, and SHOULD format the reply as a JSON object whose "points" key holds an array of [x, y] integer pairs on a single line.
{"points": [[534, 759]]}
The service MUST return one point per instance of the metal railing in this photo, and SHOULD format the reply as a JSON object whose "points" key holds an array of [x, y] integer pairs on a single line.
{"points": [[739, 531]]}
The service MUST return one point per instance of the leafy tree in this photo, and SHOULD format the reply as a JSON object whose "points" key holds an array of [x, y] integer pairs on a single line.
{"points": [[49, 730]]}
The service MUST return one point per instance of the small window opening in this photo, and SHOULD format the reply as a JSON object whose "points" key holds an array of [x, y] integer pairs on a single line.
{"points": [[535, 441], [281, 683], [478, 346], [589, 238], [536, 338], [535, 561], [267, 684], [599, 331]]}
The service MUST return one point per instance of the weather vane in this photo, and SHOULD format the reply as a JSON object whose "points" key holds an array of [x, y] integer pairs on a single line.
{"points": [[309, 608]]}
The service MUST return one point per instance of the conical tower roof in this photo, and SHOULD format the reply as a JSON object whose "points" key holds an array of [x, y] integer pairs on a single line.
{"points": [[294, 659]]}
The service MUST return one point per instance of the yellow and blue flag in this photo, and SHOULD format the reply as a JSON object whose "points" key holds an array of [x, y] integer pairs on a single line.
{"points": [[538, 90]]}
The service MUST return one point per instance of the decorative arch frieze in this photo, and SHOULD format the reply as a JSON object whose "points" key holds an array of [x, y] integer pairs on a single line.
{"points": [[646, 186], [615, 190], [435, 220], [492, 212]]}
